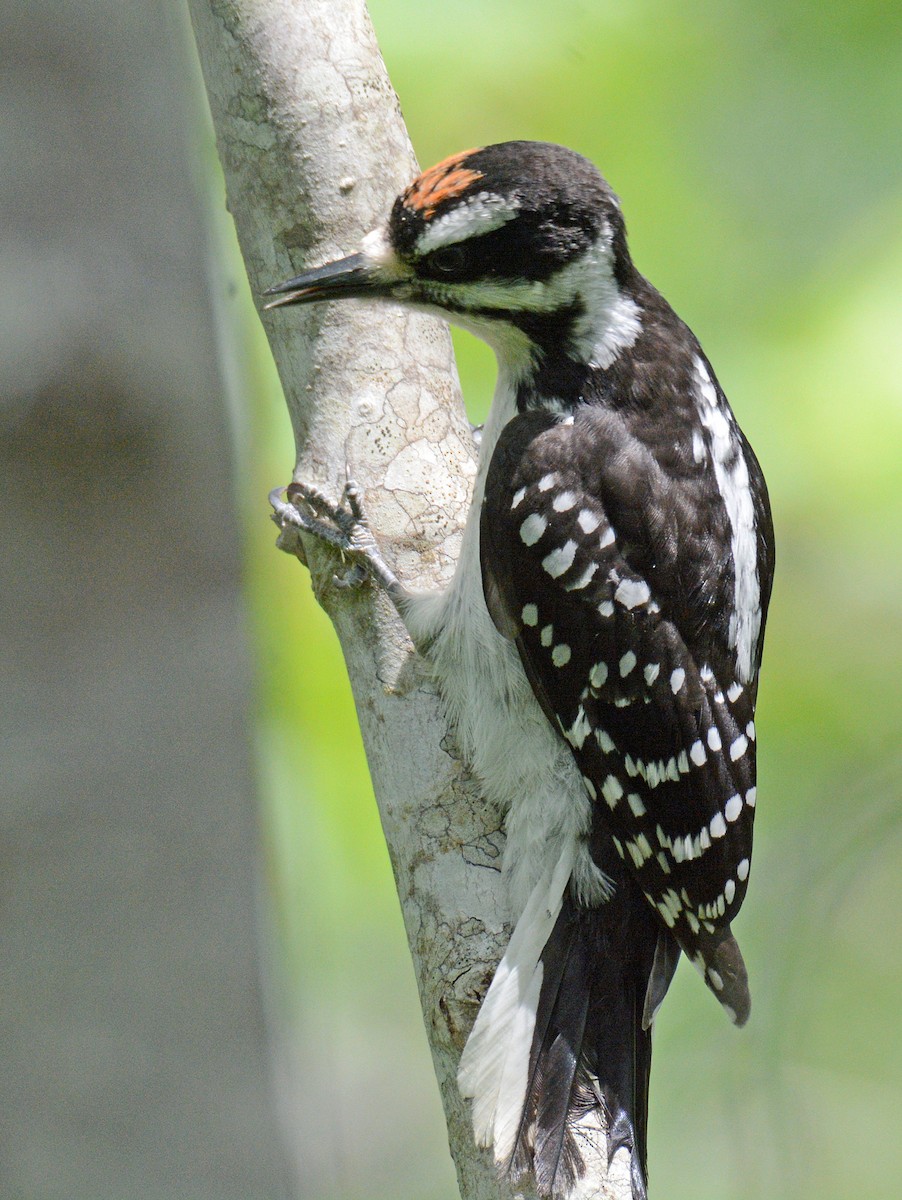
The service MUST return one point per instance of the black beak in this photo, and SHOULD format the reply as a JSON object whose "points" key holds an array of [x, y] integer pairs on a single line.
{"points": [[344, 279]]}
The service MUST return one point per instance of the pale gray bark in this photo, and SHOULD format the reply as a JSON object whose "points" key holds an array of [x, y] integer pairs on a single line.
{"points": [[314, 150]]}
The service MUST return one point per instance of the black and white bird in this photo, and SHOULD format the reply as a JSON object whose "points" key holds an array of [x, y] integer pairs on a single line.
{"points": [[598, 647]]}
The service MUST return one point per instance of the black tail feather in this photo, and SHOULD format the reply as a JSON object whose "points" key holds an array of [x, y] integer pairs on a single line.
{"points": [[554, 961], [557, 1078], [591, 1048], [663, 969]]}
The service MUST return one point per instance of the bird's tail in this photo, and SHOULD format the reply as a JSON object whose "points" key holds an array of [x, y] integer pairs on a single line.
{"points": [[558, 1062]]}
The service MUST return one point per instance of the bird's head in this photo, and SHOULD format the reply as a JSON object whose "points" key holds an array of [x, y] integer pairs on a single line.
{"points": [[522, 243]]}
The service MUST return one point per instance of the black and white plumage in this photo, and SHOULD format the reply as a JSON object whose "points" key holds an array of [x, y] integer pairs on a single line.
{"points": [[598, 647]]}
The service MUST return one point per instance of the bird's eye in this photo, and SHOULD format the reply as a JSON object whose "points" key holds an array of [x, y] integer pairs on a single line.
{"points": [[449, 259]]}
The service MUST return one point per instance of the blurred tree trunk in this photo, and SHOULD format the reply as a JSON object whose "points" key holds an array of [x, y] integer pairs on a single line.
{"points": [[135, 1050]]}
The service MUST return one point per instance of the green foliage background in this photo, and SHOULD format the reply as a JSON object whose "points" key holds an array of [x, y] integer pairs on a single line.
{"points": [[756, 149]]}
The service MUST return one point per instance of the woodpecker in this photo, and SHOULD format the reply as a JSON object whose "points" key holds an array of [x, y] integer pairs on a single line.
{"points": [[598, 647]]}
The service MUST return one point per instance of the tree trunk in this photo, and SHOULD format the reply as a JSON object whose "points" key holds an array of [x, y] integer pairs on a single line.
{"points": [[314, 150]]}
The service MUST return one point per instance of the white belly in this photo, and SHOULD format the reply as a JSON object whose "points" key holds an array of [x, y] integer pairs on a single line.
{"points": [[525, 767]]}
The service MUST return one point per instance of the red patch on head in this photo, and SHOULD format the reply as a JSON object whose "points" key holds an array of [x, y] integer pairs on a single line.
{"points": [[444, 181]]}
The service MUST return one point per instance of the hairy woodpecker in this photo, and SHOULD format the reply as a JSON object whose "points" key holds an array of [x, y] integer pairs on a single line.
{"points": [[599, 645]]}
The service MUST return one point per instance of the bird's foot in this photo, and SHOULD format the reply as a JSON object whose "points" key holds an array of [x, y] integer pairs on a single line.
{"points": [[342, 525]]}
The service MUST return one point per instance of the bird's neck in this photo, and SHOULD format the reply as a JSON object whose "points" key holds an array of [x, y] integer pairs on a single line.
{"points": [[548, 357]]}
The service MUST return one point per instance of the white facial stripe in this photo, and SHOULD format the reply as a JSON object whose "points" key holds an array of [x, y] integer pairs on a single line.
{"points": [[528, 295], [589, 278], [615, 315], [732, 476], [517, 295], [377, 249], [478, 215]]}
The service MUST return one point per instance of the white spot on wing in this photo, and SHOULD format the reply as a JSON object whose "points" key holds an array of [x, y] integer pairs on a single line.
{"points": [[598, 675], [739, 747], [640, 851], [583, 580], [563, 502], [632, 592], [604, 741], [733, 808], [627, 663], [533, 528], [612, 790], [530, 615], [588, 521], [560, 560], [560, 655]]}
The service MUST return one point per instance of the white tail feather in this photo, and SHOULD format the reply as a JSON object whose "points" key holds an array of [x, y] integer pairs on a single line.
{"points": [[514, 1079], [495, 1062]]}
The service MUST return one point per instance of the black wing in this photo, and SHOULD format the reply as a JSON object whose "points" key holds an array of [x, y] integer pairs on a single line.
{"points": [[615, 580]]}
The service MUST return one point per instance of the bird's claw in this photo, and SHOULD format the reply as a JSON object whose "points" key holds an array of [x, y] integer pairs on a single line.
{"points": [[353, 577], [341, 525]]}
